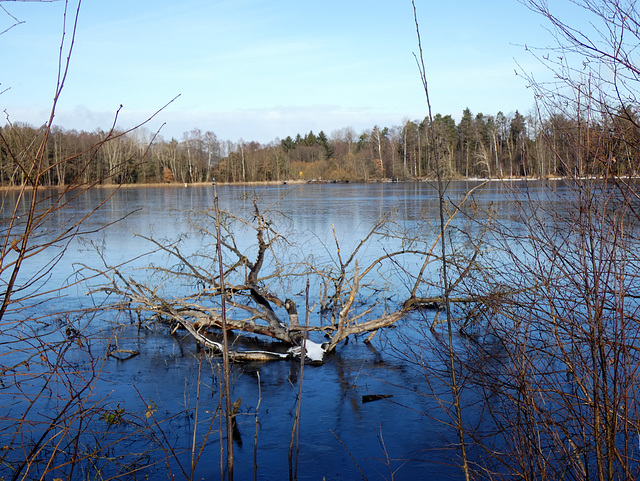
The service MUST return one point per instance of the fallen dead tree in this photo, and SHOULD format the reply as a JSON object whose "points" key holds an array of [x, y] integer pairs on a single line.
{"points": [[254, 278]]}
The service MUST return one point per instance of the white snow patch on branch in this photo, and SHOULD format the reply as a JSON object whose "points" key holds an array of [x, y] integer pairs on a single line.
{"points": [[313, 350]]}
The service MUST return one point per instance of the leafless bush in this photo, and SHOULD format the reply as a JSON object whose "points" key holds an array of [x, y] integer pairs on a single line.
{"points": [[56, 420], [546, 348]]}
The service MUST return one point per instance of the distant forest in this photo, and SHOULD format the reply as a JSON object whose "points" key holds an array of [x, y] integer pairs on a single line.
{"points": [[479, 146]]}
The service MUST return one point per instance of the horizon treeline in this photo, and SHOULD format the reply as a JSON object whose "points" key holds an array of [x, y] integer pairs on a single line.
{"points": [[479, 146]]}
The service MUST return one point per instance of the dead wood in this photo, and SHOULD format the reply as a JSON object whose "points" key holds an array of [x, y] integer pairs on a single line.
{"points": [[251, 279], [367, 398], [128, 354]]}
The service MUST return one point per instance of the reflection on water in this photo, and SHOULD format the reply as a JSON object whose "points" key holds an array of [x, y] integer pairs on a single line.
{"points": [[335, 424], [340, 437]]}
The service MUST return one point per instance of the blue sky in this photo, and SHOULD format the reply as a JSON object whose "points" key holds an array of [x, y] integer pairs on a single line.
{"points": [[261, 70]]}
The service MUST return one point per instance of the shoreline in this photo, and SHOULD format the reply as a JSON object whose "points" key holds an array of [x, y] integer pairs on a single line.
{"points": [[174, 185]]}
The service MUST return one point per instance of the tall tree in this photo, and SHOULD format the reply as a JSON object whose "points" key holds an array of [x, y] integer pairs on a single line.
{"points": [[379, 137], [324, 142], [466, 140], [446, 137]]}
